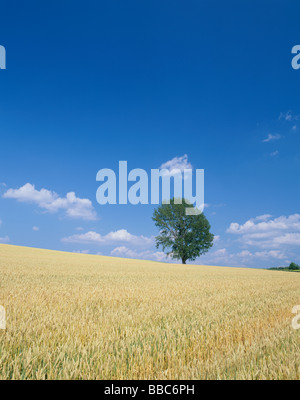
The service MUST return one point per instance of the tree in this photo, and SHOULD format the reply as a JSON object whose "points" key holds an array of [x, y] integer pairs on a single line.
{"points": [[293, 266], [186, 236]]}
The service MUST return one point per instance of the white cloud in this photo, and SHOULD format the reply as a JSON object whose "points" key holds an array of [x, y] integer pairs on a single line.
{"points": [[216, 238], [35, 228], [288, 238], [88, 237], [4, 239], [280, 223], [288, 116], [125, 252], [271, 137], [81, 251], [260, 254], [244, 258], [177, 163], [274, 153], [263, 217], [220, 252], [270, 254], [122, 235], [244, 253], [269, 232], [50, 201]]}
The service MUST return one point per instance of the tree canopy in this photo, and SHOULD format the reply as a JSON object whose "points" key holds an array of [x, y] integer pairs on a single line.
{"points": [[182, 236]]}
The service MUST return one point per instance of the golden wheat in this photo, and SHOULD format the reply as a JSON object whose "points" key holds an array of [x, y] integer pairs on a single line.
{"points": [[75, 316]]}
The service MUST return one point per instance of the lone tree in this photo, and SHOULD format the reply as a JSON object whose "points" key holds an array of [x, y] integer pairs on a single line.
{"points": [[186, 236], [293, 266]]}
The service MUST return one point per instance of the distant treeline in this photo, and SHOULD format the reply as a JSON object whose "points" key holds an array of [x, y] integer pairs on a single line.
{"points": [[292, 267]]}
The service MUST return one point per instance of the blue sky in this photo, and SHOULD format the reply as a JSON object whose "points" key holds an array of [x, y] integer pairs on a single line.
{"points": [[90, 83]]}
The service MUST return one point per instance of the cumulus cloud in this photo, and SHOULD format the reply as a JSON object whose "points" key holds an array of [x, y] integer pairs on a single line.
{"points": [[220, 252], [216, 238], [244, 258], [280, 223], [271, 137], [88, 237], [284, 230], [176, 168], [122, 235], [271, 253], [180, 163], [125, 252], [176, 165], [260, 254], [4, 239], [263, 217], [51, 202], [292, 239]]}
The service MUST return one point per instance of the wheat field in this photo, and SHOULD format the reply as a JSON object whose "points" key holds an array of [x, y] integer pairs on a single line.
{"points": [[76, 316]]}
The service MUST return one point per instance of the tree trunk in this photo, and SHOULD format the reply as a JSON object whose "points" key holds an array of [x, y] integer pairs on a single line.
{"points": [[183, 261]]}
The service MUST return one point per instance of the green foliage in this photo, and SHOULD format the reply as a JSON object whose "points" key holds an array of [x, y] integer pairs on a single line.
{"points": [[293, 266], [185, 237]]}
